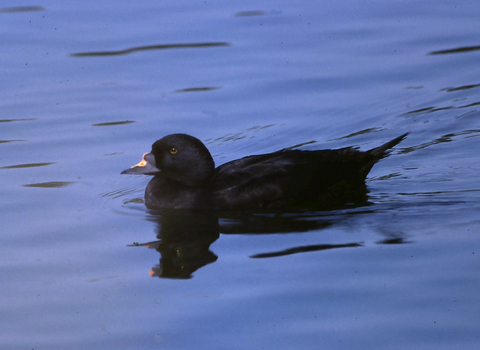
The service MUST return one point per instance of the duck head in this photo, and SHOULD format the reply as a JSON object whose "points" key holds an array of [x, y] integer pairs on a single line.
{"points": [[178, 157]]}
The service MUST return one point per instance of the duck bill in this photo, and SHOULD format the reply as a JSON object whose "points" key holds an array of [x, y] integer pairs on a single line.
{"points": [[146, 167]]}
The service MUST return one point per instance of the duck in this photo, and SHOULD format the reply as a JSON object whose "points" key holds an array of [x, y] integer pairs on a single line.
{"points": [[185, 177]]}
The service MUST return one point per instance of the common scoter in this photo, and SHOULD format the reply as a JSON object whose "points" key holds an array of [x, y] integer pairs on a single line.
{"points": [[185, 177]]}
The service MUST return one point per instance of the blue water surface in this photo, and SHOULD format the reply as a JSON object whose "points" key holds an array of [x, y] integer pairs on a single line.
{"points": [[88, 86]]}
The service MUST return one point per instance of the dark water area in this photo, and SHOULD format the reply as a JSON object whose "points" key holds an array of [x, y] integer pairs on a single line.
{"points": [[88, 87]]}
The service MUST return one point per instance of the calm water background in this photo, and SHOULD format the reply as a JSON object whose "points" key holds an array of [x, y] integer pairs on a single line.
{"points": [[86, 87]]}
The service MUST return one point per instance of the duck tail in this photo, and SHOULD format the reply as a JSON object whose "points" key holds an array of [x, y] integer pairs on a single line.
{"points": [[385, 149], [375, 154]]}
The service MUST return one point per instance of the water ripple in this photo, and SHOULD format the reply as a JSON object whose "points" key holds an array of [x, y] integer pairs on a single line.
{"points": [[114, 123], [50, 184], [149, 48], [21, 9], [456, 50], [28, 165]]}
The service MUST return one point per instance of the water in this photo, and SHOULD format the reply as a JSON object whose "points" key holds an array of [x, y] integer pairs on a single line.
{"points": [[87, 87]]}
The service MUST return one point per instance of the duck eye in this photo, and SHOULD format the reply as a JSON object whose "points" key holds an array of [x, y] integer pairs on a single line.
{"points": [[173, 150]]}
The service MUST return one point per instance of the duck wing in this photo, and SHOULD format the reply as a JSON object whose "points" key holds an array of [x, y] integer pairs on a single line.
{"points": [[285, 178]]}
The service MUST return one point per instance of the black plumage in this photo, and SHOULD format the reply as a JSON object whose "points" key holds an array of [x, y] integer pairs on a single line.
{"points": [[185, 177]]}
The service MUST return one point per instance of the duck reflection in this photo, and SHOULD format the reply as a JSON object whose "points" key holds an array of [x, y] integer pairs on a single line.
{"points": [[184, 237]]}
